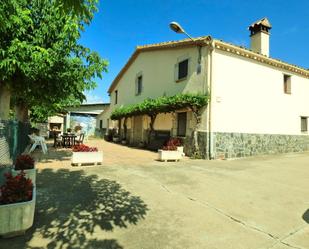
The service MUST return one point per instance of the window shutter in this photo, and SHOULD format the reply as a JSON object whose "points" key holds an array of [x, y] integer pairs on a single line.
{"points": [[176, 72], [136, 80]]}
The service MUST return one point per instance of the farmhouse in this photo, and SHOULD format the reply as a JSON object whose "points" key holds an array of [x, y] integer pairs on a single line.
{"points": [[258, 105]]}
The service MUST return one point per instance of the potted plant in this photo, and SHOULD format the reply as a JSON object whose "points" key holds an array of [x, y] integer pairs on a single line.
{"points": [[17, 204], [176, 142], [170, 151], [83, 154], [25, 163]]}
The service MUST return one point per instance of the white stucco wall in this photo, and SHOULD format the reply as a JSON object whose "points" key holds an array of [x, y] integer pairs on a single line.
{"points": [[164, 122], [105, 116], [55, 119], [248, 97], [158, 71]]}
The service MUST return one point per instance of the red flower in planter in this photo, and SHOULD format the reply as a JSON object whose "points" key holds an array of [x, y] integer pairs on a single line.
{"points": [[84, 148], [16, 189], [172, 144], [24, 162]]}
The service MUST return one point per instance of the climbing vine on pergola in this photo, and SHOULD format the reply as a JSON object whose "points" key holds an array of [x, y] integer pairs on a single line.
{"points": [[164, 104]]}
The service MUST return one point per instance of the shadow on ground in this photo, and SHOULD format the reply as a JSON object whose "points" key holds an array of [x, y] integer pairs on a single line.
{"points": [[306, 216], [53, 154], [72, 205]]}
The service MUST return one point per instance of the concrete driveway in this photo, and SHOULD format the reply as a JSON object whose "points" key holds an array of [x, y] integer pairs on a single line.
{"points": [[135, 202]]}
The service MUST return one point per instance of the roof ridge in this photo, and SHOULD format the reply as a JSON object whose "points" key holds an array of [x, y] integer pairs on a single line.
{"points": [[199, 38]]}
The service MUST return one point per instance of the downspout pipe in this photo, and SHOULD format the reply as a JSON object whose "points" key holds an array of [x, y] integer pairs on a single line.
{"points": [[210, 92]]}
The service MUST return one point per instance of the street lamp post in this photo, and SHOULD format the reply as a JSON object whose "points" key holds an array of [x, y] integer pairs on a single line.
{"points": [[176, 27]]}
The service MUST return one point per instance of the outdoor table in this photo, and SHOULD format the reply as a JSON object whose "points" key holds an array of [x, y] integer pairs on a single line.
{"points": [[68, 140]]}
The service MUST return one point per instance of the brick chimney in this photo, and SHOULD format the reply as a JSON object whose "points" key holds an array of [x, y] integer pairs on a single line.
{"points": [[259, 33]]}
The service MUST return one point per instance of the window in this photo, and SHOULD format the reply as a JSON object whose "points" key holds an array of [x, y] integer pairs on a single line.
{"points": [[304, 124], [116, 97], [181, 124], [183, 67], [139, 85], [101, 124], [287, 83]]}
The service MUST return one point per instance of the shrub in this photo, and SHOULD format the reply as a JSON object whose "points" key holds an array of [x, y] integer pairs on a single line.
{"points": [[84, 148], [172, 144], [16, 189], [24, 162]]}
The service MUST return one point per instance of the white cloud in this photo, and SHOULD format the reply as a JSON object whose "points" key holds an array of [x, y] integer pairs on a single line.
{"points": [[93, 98]]}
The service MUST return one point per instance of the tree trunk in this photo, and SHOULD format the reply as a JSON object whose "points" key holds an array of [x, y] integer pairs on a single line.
{"points": [[22, 112], [195, 132], [5, 97], [119, 128], [125, 128], [151, 126]]}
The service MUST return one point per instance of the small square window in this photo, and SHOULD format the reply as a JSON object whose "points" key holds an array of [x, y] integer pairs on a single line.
{"points": [[139, 85], [183, 67], [116, 97], [287, 84], [304, 124]]}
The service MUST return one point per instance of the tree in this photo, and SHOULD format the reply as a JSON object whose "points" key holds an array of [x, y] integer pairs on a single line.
{"points": [[41, 61]]}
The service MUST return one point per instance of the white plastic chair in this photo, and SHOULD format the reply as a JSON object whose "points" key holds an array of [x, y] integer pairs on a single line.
{"points": [[37, 140]]}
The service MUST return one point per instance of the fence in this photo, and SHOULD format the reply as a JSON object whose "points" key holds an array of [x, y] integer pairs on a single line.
{"points": [[13, 140]]}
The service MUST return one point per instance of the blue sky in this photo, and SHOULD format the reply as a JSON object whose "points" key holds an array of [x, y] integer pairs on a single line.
{"points": [[121, 25]]}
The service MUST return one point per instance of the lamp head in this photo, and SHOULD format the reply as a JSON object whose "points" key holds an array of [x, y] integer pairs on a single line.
{"points": [[176, 27]]}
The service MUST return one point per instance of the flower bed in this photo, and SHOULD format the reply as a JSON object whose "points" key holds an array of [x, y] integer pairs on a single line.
{"points": [[83, 154]]}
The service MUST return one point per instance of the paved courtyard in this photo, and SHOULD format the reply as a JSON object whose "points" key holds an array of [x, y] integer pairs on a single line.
{"points": [[133, 201]]}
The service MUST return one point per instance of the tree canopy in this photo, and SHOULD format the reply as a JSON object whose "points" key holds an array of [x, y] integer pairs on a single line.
{"points": [[41, 59]]}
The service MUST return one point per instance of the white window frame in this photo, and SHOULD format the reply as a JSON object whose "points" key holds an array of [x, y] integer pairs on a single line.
{"points": [[116, 97]]}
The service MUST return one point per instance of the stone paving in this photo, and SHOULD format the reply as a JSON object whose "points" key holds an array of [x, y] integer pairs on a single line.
{"points": [[133, 201]]}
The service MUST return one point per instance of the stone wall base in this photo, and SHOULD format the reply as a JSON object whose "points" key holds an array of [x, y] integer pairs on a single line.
{"points": [[235, 145], [203, 145], [232, 145]]}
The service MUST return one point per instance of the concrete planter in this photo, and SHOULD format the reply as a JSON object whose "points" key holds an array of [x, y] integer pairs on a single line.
{"points": [[29, 173], [180, 149], [87, 157], [169, 155], [16, 218]]}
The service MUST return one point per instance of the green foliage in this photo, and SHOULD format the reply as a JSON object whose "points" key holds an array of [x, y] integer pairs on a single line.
{"points": [[41, 59], [164, 104]]}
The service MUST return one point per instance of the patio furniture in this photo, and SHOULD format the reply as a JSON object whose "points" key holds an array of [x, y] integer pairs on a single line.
{"points": [[37, 141], [57, 139], [68, 140], [80, 140]]}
